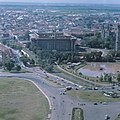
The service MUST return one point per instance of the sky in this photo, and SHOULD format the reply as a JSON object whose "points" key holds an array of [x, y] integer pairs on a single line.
{"points": [[68, 1]]}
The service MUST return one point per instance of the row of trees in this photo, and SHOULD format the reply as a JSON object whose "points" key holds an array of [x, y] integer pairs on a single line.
{"points": [[97, 42], [9, 65], [97, 57], [46, 59], [108, 77], [27, 61], [118, 77]]}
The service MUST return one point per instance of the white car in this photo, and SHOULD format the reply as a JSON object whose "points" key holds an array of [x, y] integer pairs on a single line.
{"points": [[107, 117]]}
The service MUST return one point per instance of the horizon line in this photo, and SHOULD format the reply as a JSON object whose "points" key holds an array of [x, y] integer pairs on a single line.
{"points": [[58, 3]]}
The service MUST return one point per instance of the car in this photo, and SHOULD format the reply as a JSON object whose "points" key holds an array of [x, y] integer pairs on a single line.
{"points": [[118, 84], [65, 90], [76, 88], [96, 88], [104, 103], [89, 88], [95, 103], [118, 89], [53, 97], [113, 87], [107, 117], [62, 93], [82, 104], [68, 88], [75, 85]]}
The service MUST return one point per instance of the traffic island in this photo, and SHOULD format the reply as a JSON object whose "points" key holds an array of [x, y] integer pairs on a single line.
{"points": [[94, 96], [77, 114]]}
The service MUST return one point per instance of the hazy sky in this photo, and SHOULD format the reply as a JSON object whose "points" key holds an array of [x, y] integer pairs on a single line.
{"points": [[67, 1]]}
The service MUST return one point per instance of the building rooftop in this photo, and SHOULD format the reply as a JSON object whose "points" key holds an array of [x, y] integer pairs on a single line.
{"points": [[52, 35]]}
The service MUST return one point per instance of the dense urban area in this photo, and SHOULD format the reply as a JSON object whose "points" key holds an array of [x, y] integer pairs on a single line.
{"points": [[70, 52]]}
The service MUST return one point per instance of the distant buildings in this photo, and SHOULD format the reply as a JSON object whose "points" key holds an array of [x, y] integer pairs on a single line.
{"points": [[105, 31], [77, 23], [53, 41]]}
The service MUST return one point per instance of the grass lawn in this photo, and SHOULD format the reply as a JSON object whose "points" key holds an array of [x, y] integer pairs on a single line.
{"points": [[118, 118], [54, 83], [69, 77], [91, 96], [74, 69], [77, 114], [14, 71], [21, 100]]}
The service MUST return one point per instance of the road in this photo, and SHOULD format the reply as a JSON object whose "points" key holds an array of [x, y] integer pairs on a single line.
{"points": [[58, 102], [62, 105]]}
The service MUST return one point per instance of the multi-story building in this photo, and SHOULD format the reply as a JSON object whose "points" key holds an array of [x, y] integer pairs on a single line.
{"points": [[117, 44], [54, 41]]}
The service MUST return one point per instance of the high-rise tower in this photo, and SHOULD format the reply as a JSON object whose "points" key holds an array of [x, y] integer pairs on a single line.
{"points": [[117, 43]]}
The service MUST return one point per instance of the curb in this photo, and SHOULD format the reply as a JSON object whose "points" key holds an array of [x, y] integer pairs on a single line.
{"points": [[50, 105], [42, 93]]}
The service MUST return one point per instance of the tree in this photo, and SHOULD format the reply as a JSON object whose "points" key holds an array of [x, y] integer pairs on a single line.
{"points": [[49, 68], [101, 78], [28, 45], [18, 67], [109, 78], [25, 60], [32, 62], [9, 65], [4, 42], [118, 77]]}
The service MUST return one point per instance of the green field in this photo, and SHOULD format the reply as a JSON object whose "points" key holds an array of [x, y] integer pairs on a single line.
{"points": [[21, 100], [69, 77], [77, 114], [54, 83], [15, 71], [91, 96], [118, 118]]}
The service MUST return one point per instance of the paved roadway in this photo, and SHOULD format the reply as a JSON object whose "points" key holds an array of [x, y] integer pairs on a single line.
{"points": [[62, 105]]}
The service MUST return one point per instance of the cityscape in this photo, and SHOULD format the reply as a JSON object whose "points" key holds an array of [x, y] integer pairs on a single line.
{"points": [[59, 61]]}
